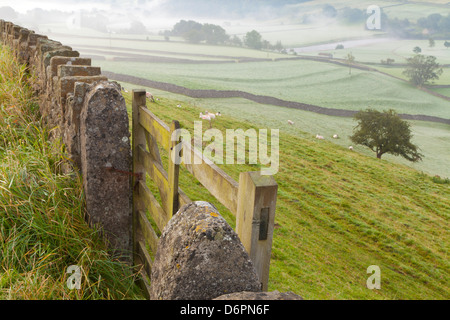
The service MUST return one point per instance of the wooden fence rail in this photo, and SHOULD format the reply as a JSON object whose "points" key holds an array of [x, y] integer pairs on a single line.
{"points": [[252, 200]]}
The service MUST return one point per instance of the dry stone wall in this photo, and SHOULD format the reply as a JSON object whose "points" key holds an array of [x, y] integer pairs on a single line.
{"points": [[87, 115]]}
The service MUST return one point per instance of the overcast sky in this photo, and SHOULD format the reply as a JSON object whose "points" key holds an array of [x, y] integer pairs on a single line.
{"points": [[71, 5]]}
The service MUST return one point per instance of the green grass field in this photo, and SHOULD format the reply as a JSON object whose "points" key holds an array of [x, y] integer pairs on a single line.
{"points": [[444, 79], [321, 84], [177, 47], [316, 83], [339, 212], [398, 50], [443, 91], [431, 137]]}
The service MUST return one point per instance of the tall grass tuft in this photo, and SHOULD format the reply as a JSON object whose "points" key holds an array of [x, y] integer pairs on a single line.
{"points": [[42, 226]]}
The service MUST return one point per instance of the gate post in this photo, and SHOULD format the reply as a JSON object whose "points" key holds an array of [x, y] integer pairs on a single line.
{"points": [[255, 219], [138, 139]]}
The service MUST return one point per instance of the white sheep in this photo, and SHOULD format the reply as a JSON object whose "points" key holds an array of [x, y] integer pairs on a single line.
{"points": [[150, 96], [291, 122], [320, 137], [218, 114], [211, 115], [335, 136], [178, 105], [206, 117], [350, 148]]}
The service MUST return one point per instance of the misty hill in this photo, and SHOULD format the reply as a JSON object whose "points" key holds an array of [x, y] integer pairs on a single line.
{"points": [[226, 9]]}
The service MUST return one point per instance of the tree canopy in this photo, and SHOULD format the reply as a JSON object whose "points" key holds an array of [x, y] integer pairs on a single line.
{"points": [[253, 40], [385, 132], [214, 34], [195, 32], [422, 69]]}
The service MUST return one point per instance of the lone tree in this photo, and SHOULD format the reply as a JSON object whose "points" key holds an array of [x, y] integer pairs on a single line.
{"points": [[253, 39], [421, 69], [431, 43], [384, 132], [350, 59]]}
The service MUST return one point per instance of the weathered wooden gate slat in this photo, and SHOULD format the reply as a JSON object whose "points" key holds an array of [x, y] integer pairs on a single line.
{"points": [[147, 231], [218, 183], [156, 211], [155, 127], [145, 257]]}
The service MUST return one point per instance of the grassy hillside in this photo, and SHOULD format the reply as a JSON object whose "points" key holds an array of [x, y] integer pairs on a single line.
{"points": [[317, 83], [42, 226], [338, 212], [431, 137]]}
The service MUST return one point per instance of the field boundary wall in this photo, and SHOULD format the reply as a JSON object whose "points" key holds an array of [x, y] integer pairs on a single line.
{"points": [[86, 117]]}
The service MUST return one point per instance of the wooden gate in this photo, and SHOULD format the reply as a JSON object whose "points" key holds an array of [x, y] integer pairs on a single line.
{"points": [[252, 200]]}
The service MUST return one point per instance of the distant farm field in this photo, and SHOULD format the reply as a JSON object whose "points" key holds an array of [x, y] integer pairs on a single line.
{"points": [[414, 11], [309, 82], [181, 49], [395, 49], [431, 137], [444, 79], [305, 34], [316, 83], [443, 91], [398, 50]]}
